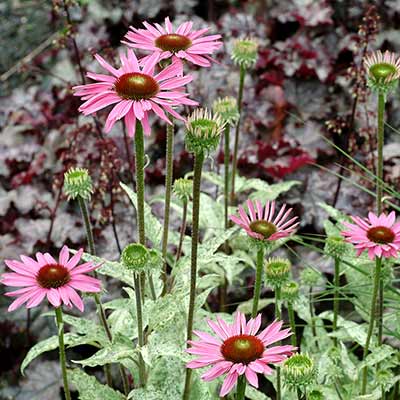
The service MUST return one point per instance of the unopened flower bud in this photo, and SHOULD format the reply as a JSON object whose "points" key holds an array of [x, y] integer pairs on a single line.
{"points": [[290, 291], [335, 247], [183, 189], [277, 271], [310, 277], [135, 257], [227, 108], [77, 182], [315, 395], [244, 52], [299, 371]]}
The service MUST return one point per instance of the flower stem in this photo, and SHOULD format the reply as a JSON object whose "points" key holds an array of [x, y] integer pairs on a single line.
{"points": [[292, 323], [241, 388], [236, 144], [336, 298], [312, 316], [198, 166], [278, 315], [257, 284], [168, 188], [60, 326], [377, 274], [182, 232], [139, 317], [226, 174], [379, 192], [102, 315]]}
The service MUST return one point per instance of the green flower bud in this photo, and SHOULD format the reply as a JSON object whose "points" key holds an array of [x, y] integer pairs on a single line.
{"points": [[384, 379], [203, 131], [310, 277], [290, 291], [277, 271], [315, 395], [135, 257], [335, 247], [245, 52], [299, 371], [77, 182], [228, 110], [183, 189]]}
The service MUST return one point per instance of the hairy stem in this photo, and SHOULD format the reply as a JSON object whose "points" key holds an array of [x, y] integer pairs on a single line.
{"points": [[258, 281], [236, 144], [336, 284], [278, 315], [182, 232], [198, 166], [377, 274], [292, 323], [63, 365], [241, 388], [139, 317], [168, 189]]}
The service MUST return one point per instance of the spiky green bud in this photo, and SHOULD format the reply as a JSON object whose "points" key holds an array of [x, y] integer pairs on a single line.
{"points": [[203, 131], [77, 182], [315, 395], [335, 247], [299, 371], [227, 108], [277, 271], [135, 257], [245, 52], [290, 291], [183, 189], [310, 277]]}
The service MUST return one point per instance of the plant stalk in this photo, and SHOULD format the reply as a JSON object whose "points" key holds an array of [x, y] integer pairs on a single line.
{"points": [[63, 365], [336, 298], [237, 131], [198, 166], [258, 281], [292, 323], [139, 316], [278, 315], [377, 274], [241, 388]]}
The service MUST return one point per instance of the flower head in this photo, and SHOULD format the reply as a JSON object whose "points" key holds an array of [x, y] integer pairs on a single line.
{"points": [[136, 91], [380, 236], [290, 291], [335, 247], [203, 131], [244, 52], [183, 188], [383, 70], [262, 224], [181, 43], [238, 350], [227, 108], [135, 257], [299, 371], [58, 280], [77, 182], [277, 271]]}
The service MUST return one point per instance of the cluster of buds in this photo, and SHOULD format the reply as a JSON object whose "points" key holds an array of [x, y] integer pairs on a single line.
{"points": [[77, 182], [203, 131], [227, 108], [244, 52], [299, 371], [277, 271]]}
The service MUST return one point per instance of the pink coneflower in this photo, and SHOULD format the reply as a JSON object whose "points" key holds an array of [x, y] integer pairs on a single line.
{"points": [[237, 350], [182, 43], [261, 224], [384, 67], [47, 277], [136, 90], [380, 236]]}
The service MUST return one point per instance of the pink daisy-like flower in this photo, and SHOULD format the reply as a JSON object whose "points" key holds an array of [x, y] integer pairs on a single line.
{"points": [[136, 91], [58, 280], [237, 350], [380, 236], [383, 66], [182, 43], [261, 224]]}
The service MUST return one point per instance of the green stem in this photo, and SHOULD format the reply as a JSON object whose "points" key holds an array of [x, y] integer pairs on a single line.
{"points": [[292, 323], [379, 192], [182, 232], [278, 315], [236, 144], [311, 308], [226, 174], [241, 388], [258, 281], [60, 326], [168, 188], [377, 275], [336, 298], [198, 166], [139, 317]]}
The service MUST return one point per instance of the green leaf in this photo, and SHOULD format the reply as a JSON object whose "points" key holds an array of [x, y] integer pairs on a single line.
{"points": [[254, 394], [153, 227], [247, 306], [334, 213], [90, 389], [379, 354]]}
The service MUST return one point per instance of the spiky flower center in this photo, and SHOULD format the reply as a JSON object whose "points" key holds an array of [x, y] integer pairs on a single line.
{"points": [[242, 349], [382, 71], [53, 276], [135, 256], [204, 127], [173, 42], [264, 228], [136, 86], [380, 235]]}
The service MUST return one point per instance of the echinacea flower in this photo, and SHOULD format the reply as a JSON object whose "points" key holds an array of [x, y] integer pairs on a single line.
{"points": [[380, 236], [238, 350], [262, 224], [58, 280], [136, 91], [180, 43], [383, 70]]}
